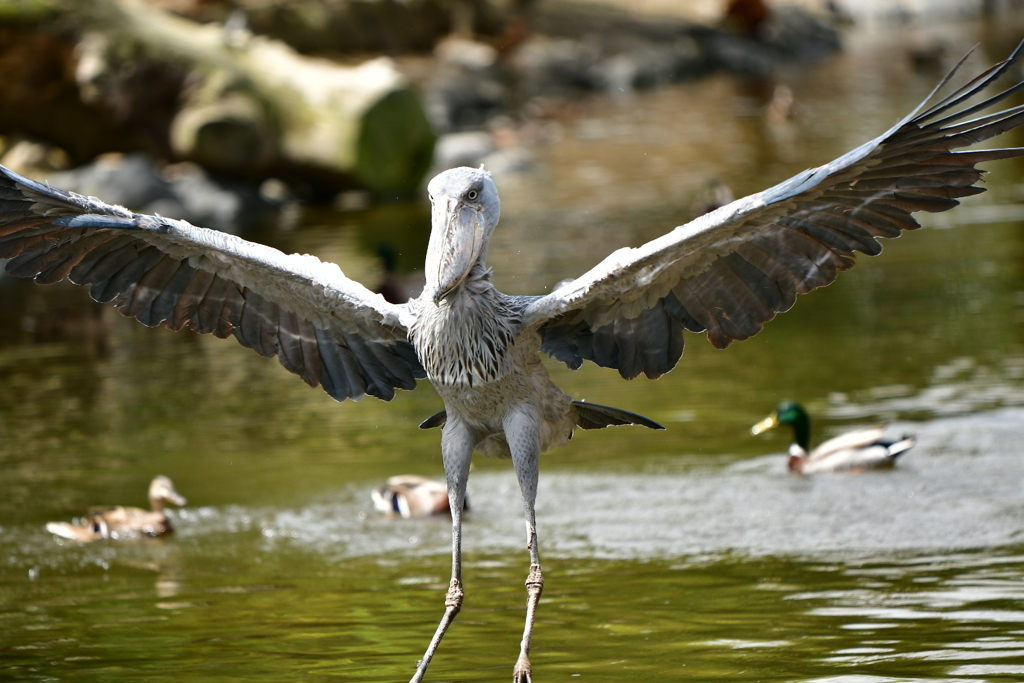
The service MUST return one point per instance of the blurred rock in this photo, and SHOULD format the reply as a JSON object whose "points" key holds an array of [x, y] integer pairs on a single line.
{"points": [[568, 48], [32, 159], [243, 105], [560, 66], [557, 66], [511, 160], [467, 87], [501, 151], [462, 149], [795, 34], [390, 27], [183, 191], [466, 53], [616, 52]]}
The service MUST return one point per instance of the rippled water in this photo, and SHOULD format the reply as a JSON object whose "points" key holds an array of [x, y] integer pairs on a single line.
{"points": [[689, 553]]}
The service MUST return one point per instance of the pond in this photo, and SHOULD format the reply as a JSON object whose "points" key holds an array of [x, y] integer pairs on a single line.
{"points": [[688, 553]]}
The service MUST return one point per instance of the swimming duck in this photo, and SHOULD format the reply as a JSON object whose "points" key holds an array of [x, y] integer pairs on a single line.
{"points": [[855, 451], [411, 495], [123, 523]]}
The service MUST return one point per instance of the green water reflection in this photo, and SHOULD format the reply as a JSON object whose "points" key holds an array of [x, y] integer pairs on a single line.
{"points": [[680, 554], [284, 615]]}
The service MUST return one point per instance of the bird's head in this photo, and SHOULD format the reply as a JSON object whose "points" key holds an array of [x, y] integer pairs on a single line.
{"points": [[788, 413], [162, 489], [465, 210]]}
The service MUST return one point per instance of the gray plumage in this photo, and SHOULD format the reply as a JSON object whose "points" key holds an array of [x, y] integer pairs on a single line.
{"points": [[726, 273]]}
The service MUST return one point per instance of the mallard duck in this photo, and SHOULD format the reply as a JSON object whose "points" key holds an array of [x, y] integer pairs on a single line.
{"points": [[411, 495], [123, 523], [861, 449]]}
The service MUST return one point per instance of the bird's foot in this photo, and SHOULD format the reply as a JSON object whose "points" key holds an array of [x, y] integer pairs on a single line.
{"points": [[522, 672]]}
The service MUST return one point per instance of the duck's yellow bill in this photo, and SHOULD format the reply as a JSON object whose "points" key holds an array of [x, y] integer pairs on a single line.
{"points": [[770, 422]]}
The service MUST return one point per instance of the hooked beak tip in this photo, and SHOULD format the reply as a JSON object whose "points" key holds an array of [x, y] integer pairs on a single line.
{"points": [[438, 295]]}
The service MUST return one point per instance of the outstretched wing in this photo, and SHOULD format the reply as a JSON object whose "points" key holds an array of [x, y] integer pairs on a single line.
{"points": [[322, 326], [731, 270]]}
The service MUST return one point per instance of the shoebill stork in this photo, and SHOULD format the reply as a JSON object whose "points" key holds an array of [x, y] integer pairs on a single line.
{"points": [[726, 273]]}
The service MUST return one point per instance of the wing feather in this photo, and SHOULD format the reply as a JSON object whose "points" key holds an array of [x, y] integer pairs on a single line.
{"points": [[656, 342], [334, 377], [229, 308], [161, 306], [733, 269], [321, 325], [759, 282], [99, 245], [208, 313], [143, 293], [186, 307], [139, 263]]}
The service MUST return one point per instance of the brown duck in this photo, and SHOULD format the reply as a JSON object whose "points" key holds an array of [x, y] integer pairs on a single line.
{"points": [[410, 495], [123, 523]]}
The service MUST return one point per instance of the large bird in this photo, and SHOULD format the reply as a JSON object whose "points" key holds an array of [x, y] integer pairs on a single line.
{"points": [[727, 273]]}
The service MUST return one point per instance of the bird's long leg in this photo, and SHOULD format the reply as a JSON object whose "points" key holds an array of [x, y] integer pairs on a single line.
{"points": [[522, 434], [456, 452]]}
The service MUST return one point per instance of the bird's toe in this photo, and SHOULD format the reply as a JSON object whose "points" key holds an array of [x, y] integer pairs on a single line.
{"points": [[523, 672]]}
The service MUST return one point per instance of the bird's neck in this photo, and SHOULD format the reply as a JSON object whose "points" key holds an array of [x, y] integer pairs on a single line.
{"points": [[156, 504], [802, 432], [478, 281], [464, 339]]}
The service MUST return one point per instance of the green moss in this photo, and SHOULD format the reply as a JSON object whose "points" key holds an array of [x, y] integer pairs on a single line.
{"points": [[395, 145]]}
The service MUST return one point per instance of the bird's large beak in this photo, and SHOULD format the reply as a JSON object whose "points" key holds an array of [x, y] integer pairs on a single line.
{"points": [[770, 422], [453, 247]]}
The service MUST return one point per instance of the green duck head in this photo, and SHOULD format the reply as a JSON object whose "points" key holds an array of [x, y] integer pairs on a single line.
{"points": [[788, 413]]}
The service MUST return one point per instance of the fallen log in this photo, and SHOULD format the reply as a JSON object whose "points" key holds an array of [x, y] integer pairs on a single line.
{"points": [[249, 105]]}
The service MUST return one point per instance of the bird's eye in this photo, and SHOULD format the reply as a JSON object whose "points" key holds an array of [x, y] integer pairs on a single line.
{"points": [[472, 194]]}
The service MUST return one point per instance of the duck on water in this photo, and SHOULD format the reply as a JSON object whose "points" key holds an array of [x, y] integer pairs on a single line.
{"points": [[121, 523], [854, 451]]}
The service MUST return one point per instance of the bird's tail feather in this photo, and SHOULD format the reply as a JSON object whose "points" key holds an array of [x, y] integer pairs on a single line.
{"points": [[588, 416], [898, 448], [594, 416], [435, 420]]}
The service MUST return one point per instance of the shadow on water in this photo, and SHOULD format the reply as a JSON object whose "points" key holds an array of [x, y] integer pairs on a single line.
{"points": [[685, 553]]}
